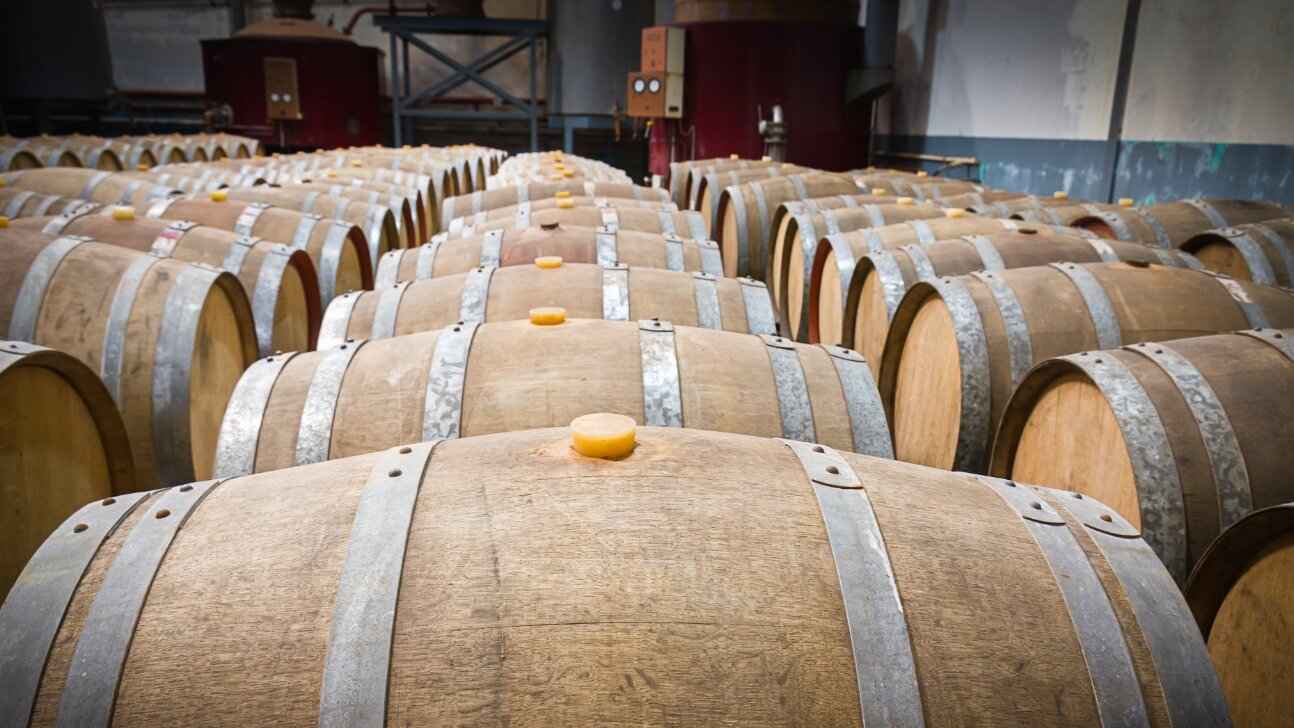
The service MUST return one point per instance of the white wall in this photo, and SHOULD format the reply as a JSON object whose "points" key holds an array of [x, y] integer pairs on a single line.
{"points": [[1213, 72], [1003, 68], [1203, 70]]}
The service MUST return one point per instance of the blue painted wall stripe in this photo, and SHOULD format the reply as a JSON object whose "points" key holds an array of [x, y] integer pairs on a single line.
{"points": [[1148, 171]]}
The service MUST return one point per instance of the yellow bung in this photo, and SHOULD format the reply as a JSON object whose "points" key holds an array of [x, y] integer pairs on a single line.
{"points": [[4, 221], [219, 195], [1060, 195], [566, 204], [954, 212], [880, 191], [123, 212], [1125, 202], [563, 193], [904, 200], [923, 173], [603, 435], [548, 262], [547, 315]]}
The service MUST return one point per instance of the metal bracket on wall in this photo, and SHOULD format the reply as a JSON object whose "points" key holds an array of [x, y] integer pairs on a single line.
{"points": [[525, 34]]}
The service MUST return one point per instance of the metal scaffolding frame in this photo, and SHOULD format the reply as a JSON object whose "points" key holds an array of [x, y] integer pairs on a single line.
{"points": [[406, 29]]}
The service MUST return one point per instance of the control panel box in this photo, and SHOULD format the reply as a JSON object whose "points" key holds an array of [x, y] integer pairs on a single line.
{"points": [[282, 99], [655, 95]]}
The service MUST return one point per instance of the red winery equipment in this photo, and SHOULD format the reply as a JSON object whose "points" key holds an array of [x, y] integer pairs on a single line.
{"points": [[296, 84]]}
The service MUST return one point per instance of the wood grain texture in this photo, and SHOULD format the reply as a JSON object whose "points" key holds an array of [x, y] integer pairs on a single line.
{"points": [[434, 303], [553, 589], [1061, 429], [520, 376], [1151, 303], [73, 318]]}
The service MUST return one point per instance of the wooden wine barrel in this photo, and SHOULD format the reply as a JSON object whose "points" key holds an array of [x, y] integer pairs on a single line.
{"points": [[339, 251], [14, 158], [958, 347], [1170, 224], [1262, 252], [889, 182], [1240, 595], [687, 223], [855, 291], [64, 445], [377, 221], [744, 218], [407, 220], [201, 180], [700, 169], [74, 152], [519, 215], [164, 151], [132, 156], [680, 174], [485, 200], [933, 189], [978, 202], [423, 211], [450, 256], [703, 579], [481, 378], [581, 289], [168, 338], [433, 188], [442, 178], [1018, 204], [711, 186], [109, 188], [807, 220], [797, 257], [1183, 438], [15, 203], [1065, 214], [280, 283]]}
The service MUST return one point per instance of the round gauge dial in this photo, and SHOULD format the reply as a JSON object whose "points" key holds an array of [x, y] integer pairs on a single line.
{"points": [[654, 85], [639, 85]]}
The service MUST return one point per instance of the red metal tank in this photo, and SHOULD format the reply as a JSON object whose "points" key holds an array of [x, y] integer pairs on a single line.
{"points": [[337, 84], [732, 69]]}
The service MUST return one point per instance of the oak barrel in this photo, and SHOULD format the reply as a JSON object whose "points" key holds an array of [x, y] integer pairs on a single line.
{"points": [[377, 221], [855, 291], [581, 289], [680, 175], [816, 208], [698, 171], [108, 188], [338, 250], [1262, 252], [476, 379], [957, 347], [1170, 224], [711, 186], [170, 339], [407, 212], [1240, 595], [687, 223], [280, 283], [1182, 437], [485, 200], [449, 256], [64, 445], [705, 579], [865, 222], [15, 203], [519, 214], [745, 215]]}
